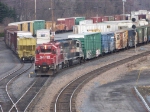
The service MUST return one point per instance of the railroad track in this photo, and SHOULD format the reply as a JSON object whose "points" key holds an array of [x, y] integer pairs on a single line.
{"points": [[64, 101], [24, 101], [5, 82]]}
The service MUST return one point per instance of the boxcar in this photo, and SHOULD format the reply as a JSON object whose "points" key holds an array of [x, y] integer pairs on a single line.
{"points": [[91, 43], [8, 28], [131, 38], [148, 32], [140, 34], [108, 42], [118, 40]]}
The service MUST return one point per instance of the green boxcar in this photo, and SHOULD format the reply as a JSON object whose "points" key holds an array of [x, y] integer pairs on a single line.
{"points": [[91, 43], [38, 25], [148, 32], [78, 19], [141, 34]]}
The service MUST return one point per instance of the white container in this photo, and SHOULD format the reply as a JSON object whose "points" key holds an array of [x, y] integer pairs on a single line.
{"points": [[83, 22], [99, 27], [43, 36]]}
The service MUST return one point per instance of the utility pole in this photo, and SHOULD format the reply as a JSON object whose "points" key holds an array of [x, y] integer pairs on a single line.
{"points": [[123, 9], [52, 13], [35, 11]]}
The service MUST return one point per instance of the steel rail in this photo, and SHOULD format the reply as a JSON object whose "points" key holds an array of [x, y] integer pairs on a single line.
{"points": [[13, 79], [95, 73]]}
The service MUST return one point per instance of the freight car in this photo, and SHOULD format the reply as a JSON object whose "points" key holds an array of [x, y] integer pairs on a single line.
{"points": [[86, 46], [53, 55], [21, 43]]}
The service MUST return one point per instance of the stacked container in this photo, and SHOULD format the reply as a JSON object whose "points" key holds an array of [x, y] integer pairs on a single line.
{"points": [[83, 22], [96, 19], [91, 43], [78, 19], [37, 25]]}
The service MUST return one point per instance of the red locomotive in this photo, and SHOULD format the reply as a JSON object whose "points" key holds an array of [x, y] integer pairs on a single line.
{"points": [[52, 56]]}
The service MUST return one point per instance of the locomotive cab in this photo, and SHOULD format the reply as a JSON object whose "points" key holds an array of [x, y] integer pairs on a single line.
{"points": [[48, 56]]}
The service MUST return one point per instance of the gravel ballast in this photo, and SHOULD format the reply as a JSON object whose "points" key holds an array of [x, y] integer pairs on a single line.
{"points": [[68, 75]]}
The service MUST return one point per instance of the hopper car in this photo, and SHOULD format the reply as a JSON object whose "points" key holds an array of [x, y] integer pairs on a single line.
{"points": [[21, 43]]}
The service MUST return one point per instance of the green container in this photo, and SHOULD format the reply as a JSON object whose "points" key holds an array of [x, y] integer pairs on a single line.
{"points": [[38, 25], [78, 19], [91, 43]]}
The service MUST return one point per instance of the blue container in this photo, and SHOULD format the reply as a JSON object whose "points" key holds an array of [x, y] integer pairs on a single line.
{"points": [[131, 38], [108, 42]]}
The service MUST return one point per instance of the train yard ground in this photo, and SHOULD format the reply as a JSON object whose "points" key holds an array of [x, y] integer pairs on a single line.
{"points": [[113, 91]]}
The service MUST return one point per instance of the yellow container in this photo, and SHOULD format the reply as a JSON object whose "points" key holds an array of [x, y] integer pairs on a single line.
{"points": [[48, 25], [27, 26]]}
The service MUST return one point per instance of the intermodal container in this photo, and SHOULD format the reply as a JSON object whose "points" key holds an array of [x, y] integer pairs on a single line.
{"points": [[83, 22], [91, 44], [117, 17], [142, 16], [105, 18], [78, 19], [111, 18], [96, 19], [99, 27], [27, 26], [37, 25], [61, 21], [48, 25]]}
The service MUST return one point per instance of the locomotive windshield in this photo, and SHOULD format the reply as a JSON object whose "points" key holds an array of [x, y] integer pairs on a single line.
{"points": [[45, 49]]}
